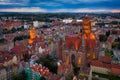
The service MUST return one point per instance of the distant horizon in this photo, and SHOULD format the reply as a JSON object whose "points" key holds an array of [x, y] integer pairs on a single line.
{"points": [[57, 12], [37, 10]]}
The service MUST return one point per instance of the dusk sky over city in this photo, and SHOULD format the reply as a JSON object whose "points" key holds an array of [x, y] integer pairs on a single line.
{"points": [[59, 5]]}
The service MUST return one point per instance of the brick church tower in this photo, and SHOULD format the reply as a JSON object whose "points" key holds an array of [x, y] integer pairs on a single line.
{"points": [[79, 49]]}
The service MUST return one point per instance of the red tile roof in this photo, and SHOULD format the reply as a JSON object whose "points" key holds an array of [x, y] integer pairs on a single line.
{"points": [[1, 66], [1, 53], [5, 57], [38, 39], [8, 24], [56, 23], [19, 49], [100, 64], [115, 66], [105, 59], [8, 58], [115, 71]]}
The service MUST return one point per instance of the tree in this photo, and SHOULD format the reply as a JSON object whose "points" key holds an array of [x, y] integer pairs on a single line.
{"points": [[22, 37], [114, 44], [48, 62], [26, 57], [76, 70], [114, 22], [109, 53], [20, 29], [95, 79], [20, 76], [107, 33], [113, 77], [114, 32], [6, 31], [13, 30], [102, 38], [3, 40], [118, 46], [42, 78]]}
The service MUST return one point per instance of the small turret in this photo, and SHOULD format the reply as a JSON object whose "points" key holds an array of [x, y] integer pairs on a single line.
{"points": [[32, 34]]}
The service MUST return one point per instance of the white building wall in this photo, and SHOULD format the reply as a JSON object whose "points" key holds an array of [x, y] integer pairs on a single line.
{"points": [[100, 70]]}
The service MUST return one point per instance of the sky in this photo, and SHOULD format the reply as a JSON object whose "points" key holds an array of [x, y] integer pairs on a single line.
{"points": [[53, 6]]}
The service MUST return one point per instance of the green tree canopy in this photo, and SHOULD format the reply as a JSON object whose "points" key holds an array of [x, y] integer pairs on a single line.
{"points": [[20, 76], [102, 38], [48, 62], [22, 37]]}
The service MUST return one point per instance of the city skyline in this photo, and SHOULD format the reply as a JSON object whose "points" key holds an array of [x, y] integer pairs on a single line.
{"points": [[53, 6]]}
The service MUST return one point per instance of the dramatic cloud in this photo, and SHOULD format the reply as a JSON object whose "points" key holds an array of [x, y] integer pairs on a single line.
{"points": [[85, 10], [48, 4], [115, 11], [4, 3], [37, 9], [82, 1], [13, 2], [31, 9]]}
